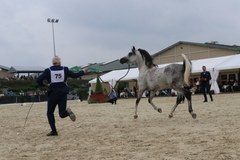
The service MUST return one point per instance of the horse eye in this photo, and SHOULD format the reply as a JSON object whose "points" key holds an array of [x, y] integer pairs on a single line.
{"points": [[130, 54]]}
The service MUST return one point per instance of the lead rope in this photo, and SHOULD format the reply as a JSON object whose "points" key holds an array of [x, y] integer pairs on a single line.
{"points": [[28, 114], [122, 76], [117, 80]]}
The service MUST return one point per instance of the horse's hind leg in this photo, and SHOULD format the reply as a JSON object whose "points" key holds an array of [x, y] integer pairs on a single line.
{"points": [[188, 95], [152, 94], [179, 99]]}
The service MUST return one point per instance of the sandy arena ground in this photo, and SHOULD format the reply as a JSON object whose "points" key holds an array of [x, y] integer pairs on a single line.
{"points": [[109, 132]]}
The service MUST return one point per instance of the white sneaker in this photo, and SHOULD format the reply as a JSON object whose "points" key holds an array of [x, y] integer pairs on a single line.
{"points": [[71, 114]]}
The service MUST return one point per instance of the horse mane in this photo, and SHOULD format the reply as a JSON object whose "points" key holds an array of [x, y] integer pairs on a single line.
{"points": [[148, 58]]}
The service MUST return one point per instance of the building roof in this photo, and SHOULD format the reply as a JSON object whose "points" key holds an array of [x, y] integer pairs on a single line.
{"points": [[213, 44], [4, 68], [26, 69]]}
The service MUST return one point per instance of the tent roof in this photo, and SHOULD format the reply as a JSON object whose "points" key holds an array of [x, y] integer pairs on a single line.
{"points": [[210, 63], [232, 62], [76, 68]]}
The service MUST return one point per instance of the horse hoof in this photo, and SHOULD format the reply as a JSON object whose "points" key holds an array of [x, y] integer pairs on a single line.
{"points": [[170, 116], [194, 115], [135, 116], [159, 110]]}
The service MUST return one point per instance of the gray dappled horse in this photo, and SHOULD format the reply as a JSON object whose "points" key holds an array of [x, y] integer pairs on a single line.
{"points": [[152, 78]]}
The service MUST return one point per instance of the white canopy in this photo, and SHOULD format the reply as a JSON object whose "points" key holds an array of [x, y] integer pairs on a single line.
{"points": [[213, 65], [113, 76], [233, 62], [210, 63]]}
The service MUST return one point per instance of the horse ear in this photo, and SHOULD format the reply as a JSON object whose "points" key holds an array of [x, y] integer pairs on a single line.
{"points": [[133, 49]]}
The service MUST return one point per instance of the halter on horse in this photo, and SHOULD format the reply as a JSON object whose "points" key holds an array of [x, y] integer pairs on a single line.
{"points": [[152, 79]]}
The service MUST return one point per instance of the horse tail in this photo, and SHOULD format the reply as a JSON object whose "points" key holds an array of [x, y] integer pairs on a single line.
{"points": [[187, 69]]}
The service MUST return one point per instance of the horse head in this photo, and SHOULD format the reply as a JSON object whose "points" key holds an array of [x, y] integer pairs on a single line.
{"points": [[128, 58], [138, 56]]}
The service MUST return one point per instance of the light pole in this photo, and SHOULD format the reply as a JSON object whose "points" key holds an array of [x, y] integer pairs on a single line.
{"points": [[51, 20]]}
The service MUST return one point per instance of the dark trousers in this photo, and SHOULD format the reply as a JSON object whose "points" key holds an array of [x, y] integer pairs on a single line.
{"points": [[113, 100], [55, 99], [205, 90]]}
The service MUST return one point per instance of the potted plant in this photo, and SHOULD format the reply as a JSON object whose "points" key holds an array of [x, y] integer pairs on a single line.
{"points": [[98, 96]]}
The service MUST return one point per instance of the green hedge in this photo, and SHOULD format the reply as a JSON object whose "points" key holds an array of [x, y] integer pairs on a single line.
{"points": [[80, 86]]}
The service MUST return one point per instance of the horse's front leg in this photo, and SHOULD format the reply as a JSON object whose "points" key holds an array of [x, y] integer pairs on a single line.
{"points": [[139, 96], [152, 94]]}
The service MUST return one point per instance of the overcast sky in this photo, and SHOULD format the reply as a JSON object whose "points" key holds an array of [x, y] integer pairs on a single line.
{"points": [[105, 30]]}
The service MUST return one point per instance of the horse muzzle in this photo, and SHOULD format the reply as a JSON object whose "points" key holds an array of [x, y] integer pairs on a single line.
{"points": [[123, 60]]}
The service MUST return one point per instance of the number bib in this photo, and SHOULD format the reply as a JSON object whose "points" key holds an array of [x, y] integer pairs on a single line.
{"points": [[57, 76]]}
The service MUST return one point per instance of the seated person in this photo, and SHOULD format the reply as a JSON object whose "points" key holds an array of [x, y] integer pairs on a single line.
{"points": [[235, 86], [225, 87]]}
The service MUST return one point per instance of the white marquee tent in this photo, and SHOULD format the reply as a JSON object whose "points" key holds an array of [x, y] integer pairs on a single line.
{"points": [[233, 62], [210, 63], [214, 66]]}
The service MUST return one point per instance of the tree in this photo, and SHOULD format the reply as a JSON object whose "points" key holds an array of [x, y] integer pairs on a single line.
{"points": [[99, 88]]}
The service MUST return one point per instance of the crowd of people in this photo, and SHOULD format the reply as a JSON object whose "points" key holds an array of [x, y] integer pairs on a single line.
{"points": [[230, 86], [22, 77]]}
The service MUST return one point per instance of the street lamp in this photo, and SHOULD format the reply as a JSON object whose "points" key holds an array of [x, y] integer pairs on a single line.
{"points": [[51, 20]]}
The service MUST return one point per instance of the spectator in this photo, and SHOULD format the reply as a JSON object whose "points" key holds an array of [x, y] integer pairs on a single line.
{"points": [[235, 86], [230, 84]]}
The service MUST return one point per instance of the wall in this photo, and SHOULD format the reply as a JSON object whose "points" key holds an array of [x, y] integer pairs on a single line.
{"points": [[192, 51], [4, 74]]}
